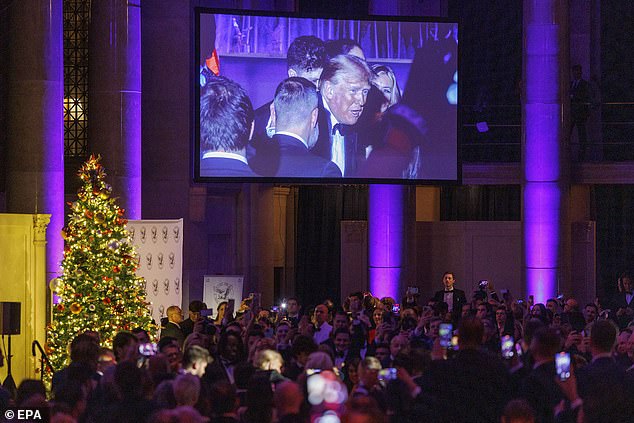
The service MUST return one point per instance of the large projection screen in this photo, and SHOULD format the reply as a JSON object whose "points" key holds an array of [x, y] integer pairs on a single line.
{"points": [[383, 107]]}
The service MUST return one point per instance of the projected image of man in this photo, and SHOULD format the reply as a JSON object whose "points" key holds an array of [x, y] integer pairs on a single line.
{"points": [[226, 123], [305, 58], [344, 87], [296, 111]]}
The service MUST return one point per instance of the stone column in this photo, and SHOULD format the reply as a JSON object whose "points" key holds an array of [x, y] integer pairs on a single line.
{"points": [[35, 118], [114, 89], [543, 151]]}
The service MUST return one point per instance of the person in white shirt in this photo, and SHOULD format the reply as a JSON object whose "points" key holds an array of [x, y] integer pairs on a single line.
{"points": [[322, 327]]}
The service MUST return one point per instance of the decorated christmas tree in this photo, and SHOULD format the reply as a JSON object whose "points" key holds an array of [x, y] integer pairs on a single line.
{"points": [[98, 289]]}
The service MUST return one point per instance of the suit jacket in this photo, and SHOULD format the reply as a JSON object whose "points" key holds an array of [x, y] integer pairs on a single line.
{"points": [[620, 301], [297, 161], [580, 101], [354, 154], [541, 391], [606, 391], [217, 166], [262, 152], [187, 327], [459, 299], [174, 331], [474, 386]]}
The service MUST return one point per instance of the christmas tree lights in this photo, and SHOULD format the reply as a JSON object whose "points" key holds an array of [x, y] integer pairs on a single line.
{"points": [[98, 289]]}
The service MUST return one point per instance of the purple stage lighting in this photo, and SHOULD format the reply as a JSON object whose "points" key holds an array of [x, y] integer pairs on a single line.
{"points": [[385, 239], [541, 154]]}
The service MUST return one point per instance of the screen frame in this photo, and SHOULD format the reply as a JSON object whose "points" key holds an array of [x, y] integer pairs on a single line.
{"points": [[282, 180]]}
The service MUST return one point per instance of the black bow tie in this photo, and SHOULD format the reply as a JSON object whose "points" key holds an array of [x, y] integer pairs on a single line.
{"points": [[340, 354], [343, 129], [446, 291]]}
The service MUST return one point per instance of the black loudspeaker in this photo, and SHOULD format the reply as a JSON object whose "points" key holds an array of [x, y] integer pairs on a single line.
{"points": [[9, 318]]}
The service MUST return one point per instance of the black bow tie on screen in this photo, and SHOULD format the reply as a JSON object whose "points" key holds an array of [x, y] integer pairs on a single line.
{"points": [[447, 291], [343, 129]]}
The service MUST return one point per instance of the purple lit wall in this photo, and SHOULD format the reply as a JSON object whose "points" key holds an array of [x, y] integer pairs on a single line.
{"points": [[386, 239], [114, 92], [35, 121], [543, 57]]}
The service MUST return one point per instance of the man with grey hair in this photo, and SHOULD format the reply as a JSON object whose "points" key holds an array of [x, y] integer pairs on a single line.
{"points": [[295, 112], [344, 87]]}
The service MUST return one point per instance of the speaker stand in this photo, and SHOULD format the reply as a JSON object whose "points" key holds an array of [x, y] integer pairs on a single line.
{"points": [[9, 383]]}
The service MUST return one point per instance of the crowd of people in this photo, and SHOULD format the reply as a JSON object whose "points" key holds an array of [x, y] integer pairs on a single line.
{"points": [[488, 358], [335, 116]]}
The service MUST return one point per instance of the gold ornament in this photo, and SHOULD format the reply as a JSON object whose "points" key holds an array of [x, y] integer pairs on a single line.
{"points": [[100, 218], [55, 284], [75, 308], [104, 195]]}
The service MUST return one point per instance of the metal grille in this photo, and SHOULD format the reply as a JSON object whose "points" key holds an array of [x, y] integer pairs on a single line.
{"points": [[76, 20]]}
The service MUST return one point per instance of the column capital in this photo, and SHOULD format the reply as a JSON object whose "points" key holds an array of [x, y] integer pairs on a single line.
{"points": [[40, 223]]}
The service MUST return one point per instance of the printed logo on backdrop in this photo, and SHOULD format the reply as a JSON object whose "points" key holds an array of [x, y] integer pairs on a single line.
{"points": [[217, 289], [160, 258], [222, 291]]}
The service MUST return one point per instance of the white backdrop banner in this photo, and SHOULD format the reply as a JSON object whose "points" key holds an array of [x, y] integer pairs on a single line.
{"points": [[219, 288], [159, 244]]}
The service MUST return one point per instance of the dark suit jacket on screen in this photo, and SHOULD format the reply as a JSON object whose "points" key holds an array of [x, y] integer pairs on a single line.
{"points": [[216, 166], [297, 161], [262, 151]]}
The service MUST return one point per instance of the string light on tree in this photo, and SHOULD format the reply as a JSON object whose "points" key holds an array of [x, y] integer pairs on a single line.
{"points": [[98, 289]]}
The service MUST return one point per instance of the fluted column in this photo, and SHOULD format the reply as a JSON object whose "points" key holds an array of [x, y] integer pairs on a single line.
{"points": [[35, 120], [114, 87]]}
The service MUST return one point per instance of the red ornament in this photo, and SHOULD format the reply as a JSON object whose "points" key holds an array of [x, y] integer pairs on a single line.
{"points": [[116, 269], [107, 300], [88, 214], [120, 212], [60, 307]]}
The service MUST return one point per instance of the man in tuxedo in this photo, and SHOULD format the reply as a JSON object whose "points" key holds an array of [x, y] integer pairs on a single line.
{"points": [[296, 110], [322, 327], [187, 326], [173, 328], [305, 58], [604, 387], [455, 298], [344, 87], [226, 124]]}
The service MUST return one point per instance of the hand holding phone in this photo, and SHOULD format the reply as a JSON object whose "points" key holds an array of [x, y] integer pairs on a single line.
{"points": [[388, 374], [562, 364], [445, 332], [231, 306], [508, 346]]}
